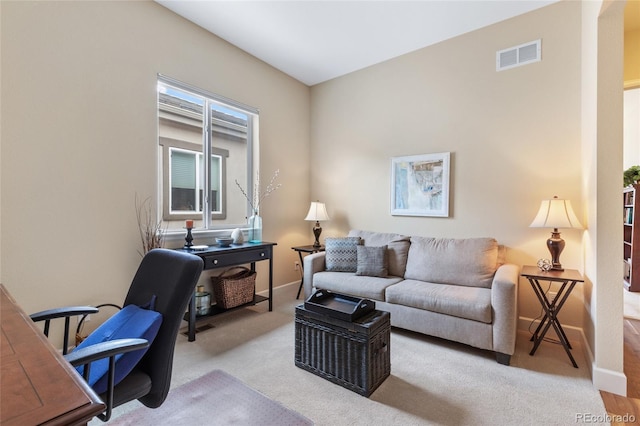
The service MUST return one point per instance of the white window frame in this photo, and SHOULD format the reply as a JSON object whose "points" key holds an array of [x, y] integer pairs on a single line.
{"points": [[207, 150]]}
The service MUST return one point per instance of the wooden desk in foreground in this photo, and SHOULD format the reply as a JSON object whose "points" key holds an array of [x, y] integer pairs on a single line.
{"points": [[38, 385]]}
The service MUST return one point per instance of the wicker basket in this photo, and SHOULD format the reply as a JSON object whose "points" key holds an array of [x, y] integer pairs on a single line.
{"points": [[354, 355], [231, 290]]}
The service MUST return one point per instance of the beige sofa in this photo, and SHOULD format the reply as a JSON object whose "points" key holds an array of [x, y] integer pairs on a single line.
{"points": [[456, 289]]}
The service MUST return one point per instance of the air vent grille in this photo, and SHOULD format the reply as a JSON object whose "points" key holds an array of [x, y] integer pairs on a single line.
{"points": [[523, 54]]}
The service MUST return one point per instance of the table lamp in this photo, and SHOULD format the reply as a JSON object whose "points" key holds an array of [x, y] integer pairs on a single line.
{"points": [[317, 212], [555, 213]]}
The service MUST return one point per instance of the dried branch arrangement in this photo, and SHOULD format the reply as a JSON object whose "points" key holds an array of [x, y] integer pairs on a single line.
{"points": [[149, 226], [258, 196]]}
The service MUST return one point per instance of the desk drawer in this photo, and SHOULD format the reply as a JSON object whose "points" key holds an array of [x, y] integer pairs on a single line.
{"points": [[237, 258]]}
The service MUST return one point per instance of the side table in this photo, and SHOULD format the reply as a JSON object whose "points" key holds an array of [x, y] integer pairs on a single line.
{"points": [[308, 250], [568, 279], [215, 257]]}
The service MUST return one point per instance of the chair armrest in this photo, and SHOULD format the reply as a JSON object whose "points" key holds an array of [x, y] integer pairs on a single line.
{"points": [[67, 311], [311, 264], [504, 301], [104, 350], [108, 349]]}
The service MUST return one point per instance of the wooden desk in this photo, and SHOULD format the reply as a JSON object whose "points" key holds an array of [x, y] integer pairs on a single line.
{"points": [[215, 257], [38, 386]]}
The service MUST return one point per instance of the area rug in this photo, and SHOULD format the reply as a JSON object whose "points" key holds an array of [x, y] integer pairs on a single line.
{"points": [[216, 398]]}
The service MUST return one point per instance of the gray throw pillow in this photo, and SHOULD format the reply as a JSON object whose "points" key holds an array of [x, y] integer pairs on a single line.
{"points": [[341, 254], [373, 261]]}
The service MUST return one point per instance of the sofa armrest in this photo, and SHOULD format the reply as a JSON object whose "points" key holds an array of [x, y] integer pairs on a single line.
{"points": [[312, 263], [504, 301]]}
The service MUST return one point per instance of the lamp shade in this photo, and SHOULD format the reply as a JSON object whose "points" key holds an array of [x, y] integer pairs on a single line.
{"points": [[555, 213], [317, 212]]}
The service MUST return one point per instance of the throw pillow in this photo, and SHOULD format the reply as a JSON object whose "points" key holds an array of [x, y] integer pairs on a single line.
{"points": [[130, 322], [372, 261], [397, 248], [341, 254]]}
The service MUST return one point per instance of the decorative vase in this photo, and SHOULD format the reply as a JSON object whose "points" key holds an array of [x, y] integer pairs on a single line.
{"points": [[255, 228], [237, 236]]}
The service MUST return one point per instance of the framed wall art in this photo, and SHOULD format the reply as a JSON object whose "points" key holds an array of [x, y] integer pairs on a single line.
{"points": [[420, 185]]}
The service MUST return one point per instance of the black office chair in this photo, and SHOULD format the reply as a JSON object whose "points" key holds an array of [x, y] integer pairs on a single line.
{"points": [[168, 277]]}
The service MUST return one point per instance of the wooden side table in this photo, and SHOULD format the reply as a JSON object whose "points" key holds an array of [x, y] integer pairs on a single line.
{"points": [[568, 279], [308, 250]]}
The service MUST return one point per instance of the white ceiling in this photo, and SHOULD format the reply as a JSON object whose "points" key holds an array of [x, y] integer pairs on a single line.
{"points": [[317, 40]]}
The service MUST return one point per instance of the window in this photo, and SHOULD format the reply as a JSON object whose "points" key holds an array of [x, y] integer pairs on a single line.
{"points": [[205, 146]]}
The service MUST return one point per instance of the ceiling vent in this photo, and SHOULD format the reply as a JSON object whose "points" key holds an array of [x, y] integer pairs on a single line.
{"points": [[519, 55]]}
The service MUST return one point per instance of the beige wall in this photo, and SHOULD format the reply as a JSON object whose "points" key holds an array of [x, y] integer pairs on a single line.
{"points": [[0, 146], [631, 152], [79, 140], [632, 58], [514, 137]]}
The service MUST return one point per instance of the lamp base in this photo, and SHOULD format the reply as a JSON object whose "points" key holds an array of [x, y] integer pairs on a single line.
{"points": [[555, 244], [317, 230]]}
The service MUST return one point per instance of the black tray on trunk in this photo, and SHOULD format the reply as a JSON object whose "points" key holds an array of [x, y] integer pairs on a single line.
{"points": [[339, 306]]}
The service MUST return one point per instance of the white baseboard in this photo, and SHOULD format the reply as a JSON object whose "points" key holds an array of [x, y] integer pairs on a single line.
{"points": [[609, 381], [602, 379], [281, 287]]}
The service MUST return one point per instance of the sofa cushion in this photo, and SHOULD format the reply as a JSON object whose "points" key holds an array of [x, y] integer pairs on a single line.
{"points": [[353, 285], [372, 261], [472, 303], [397, 248], [468, 262], [341, 254]]}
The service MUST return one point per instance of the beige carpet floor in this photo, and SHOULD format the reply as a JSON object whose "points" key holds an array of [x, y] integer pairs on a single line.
{"points": [[432, 382]]}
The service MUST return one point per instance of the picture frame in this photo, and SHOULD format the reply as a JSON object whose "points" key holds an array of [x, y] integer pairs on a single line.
{"points": [[420, 185]]}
